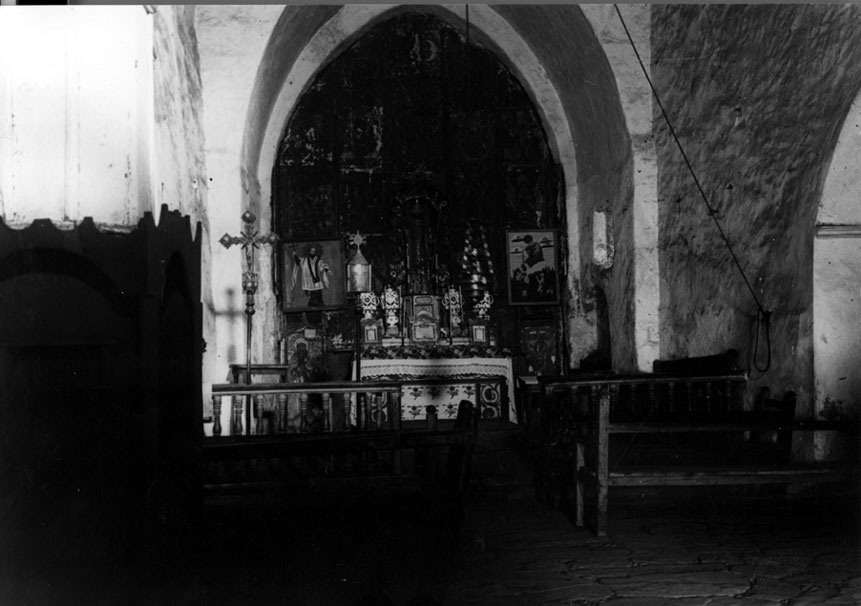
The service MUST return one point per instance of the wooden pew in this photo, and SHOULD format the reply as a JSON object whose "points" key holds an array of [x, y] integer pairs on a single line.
{"points": [[689, 417]]}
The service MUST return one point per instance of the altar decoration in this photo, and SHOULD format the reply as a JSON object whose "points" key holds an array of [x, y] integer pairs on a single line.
{"points": [[424, 318], [476, 272], [479, 327], [452, 301], [391, 303], [483, 307], [415, 398], [372, 327]]}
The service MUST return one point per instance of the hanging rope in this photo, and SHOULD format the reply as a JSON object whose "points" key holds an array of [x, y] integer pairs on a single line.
{"points": [[467, 66], [763, 316]]}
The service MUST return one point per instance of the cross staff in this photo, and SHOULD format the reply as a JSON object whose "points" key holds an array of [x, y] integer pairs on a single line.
{"points": [[249, 241]]}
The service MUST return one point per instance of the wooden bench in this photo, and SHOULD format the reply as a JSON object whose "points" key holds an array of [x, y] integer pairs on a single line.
{"points": [[697, 422]]}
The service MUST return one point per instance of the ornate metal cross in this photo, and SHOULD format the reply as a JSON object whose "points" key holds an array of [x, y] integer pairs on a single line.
{"points": [[250, 241]]}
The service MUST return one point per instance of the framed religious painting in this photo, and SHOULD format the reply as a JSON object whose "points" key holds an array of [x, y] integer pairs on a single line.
{"points": [[478, 332], [372, 331], [539, 348], [532, 264], [312, 275]]}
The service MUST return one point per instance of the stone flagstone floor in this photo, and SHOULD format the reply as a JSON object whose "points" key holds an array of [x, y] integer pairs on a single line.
{"points": [[525, 554], [662, 550]]}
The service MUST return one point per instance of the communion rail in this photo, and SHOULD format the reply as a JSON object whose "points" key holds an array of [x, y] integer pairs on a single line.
{"points": [[264, 408], [692, 431], [331, 431]]}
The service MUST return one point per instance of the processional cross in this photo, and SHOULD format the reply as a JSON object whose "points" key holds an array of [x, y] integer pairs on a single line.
{"points": [[250, 241]]}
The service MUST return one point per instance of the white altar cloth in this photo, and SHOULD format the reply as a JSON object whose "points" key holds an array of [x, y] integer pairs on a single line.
{"points": [[439, 368]]}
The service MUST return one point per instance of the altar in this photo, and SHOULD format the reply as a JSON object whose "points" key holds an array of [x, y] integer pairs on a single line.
{"points": [[416, 396]]}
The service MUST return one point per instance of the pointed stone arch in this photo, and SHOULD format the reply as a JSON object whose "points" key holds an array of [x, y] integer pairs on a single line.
{"points": [[557, 55]]}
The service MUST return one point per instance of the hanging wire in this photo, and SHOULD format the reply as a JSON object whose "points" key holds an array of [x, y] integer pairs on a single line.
{"points": [[763, 316]]}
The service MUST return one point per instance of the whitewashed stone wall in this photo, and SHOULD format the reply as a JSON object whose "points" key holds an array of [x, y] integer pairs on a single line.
{"points": [[75, 114], [758, 95], [837, 285]]}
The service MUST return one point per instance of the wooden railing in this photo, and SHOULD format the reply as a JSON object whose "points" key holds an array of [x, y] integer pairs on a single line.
{"points": [[657, 397], [238, 372], [263, 409], [332, 407], [341, 431]]}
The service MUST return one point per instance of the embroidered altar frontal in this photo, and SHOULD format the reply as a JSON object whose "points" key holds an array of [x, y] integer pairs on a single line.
{"points": [[494, 399]]}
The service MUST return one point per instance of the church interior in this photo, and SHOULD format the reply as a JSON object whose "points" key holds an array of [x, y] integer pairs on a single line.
{"points": [[430, 304]]}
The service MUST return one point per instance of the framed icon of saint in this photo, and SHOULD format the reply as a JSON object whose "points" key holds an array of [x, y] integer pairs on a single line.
{"points": [[313, 275]]}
